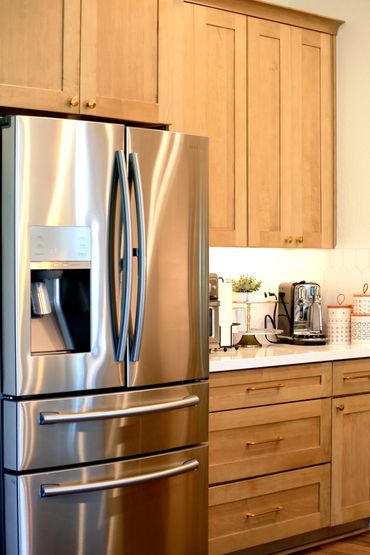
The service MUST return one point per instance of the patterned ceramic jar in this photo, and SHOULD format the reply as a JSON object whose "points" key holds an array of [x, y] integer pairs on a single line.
{"points": [[339, 323], [360, 328], [361, 302]]}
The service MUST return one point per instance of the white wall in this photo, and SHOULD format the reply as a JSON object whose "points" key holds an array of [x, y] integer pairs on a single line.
{"points": [[346, 268]]}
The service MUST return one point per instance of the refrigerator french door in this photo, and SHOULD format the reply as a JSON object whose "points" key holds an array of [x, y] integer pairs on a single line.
{"points": [[104, 339], [62, 181]]}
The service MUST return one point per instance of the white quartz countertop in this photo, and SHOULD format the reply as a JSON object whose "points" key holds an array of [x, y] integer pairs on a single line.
{"points": [[277, 355]]}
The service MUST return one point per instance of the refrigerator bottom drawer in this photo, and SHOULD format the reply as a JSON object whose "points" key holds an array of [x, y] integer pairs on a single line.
{"points": [[154, 505]]}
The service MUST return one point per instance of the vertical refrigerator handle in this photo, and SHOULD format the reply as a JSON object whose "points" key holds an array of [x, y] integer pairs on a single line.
{"points": [[141, 254], [120, 174]]}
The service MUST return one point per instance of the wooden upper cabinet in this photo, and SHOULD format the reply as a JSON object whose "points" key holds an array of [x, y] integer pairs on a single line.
{"points": [[211, 100], [269, 190], [291, 136], [93, 57], [119, 58], [313, 145], [40, 54]]}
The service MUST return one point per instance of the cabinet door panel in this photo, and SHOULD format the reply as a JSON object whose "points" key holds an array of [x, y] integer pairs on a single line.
{"points": [[39, 52], [351, 459], [313, 149], [270, 208], [212, 102], [291, 136], [119, 58]]}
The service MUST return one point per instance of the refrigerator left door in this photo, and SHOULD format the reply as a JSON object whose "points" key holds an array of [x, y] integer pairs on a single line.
{"points": [[57, 187]]}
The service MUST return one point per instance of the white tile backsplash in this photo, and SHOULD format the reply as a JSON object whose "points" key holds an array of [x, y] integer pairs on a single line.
{"points": [[337, 270]]}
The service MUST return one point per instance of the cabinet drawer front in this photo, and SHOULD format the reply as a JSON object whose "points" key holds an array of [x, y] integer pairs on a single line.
{"points": [[263, 440], [351, 376], [264, 386], [252, 512]]}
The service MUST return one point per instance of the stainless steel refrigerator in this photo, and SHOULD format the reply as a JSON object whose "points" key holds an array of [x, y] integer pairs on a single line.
{"points": [[104, 339]]}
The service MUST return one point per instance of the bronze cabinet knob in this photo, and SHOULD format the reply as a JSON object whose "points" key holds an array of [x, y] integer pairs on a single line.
{"points": [[74, 101], [289, 239], [91, 103], [299, 239]]}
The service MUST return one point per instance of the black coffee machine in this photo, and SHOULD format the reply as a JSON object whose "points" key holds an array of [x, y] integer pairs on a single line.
{"points": [[299, 314]]}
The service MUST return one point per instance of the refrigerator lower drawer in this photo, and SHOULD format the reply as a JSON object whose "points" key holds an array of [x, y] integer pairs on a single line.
{"points": [[151, 505], [73, 430]]}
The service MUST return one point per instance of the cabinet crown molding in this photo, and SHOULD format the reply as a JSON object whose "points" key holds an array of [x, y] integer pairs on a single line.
{"points": [[273, 12]]}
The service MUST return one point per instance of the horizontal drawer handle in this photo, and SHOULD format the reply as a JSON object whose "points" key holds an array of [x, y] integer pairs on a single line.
{"points": [[272, 440], [356, 377], [47, 490], [274, 510], [273, 386], [58, 418]]}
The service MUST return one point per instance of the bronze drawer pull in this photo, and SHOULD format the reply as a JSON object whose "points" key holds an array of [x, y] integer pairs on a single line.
{"points": [[340, 407], [272, 440], [275, 510], [273, 386], [356, 377]]}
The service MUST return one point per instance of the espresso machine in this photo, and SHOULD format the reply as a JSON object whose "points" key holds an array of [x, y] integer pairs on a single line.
{"points": [[300, 314]]}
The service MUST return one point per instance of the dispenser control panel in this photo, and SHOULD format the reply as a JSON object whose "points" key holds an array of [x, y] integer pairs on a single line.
{"points": [[60, 243]]}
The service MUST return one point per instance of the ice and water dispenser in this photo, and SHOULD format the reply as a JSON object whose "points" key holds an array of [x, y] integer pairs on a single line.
{"points": [[60, 289]]}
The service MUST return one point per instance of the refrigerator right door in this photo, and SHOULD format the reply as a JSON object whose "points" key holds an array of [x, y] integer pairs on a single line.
{"points": [[169, 211]]}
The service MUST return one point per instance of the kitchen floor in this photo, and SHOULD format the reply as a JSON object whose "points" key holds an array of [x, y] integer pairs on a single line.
{"points": [[354, 545]]}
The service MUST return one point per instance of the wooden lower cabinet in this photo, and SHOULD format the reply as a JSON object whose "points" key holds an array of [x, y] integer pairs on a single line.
{"points": [[289, 453], [262, 510], [262, 440], [350, 458], [268, 386], [351, 376]]}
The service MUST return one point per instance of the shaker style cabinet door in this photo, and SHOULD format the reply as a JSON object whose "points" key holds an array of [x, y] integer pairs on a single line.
{"points": [[312, 137], [350, 498], [120, 57], [39, 53], [290, 136], [209, 99], [269, 187]]}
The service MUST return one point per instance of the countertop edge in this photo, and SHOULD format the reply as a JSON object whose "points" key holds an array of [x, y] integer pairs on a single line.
{"points": [[244, 359]]}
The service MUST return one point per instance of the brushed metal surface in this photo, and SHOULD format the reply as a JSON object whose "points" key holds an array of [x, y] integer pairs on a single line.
{"points": [[56, 173], [47, 490], [174, 175], [29, 444], [165, 516]]}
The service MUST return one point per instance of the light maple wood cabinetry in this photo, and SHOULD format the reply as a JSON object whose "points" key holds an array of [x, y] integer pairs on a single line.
{"points": [[351, 441], [120, 56], [268, 386], [40, 54], [94, 57], [289, 453], [264, 422], [256, 441], [252, 512], [259, 81], [210, 100], [290, 136]]}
